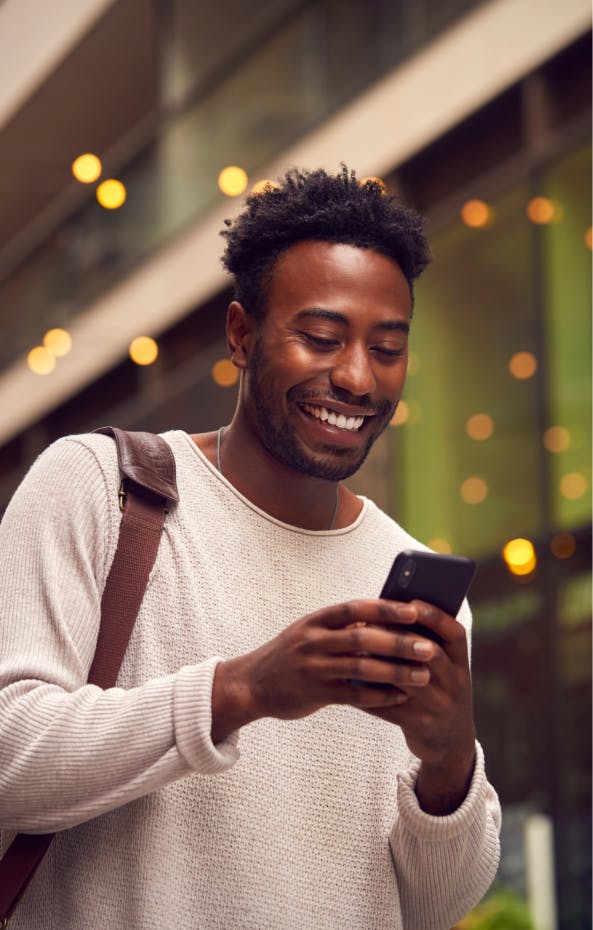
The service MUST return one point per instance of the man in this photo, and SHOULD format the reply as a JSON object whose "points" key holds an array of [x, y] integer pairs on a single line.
{"points": [[279, 754]]}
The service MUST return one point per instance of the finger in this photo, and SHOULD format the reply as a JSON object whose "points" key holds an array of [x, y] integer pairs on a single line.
{"points": [[375, 611], [361, 639], [450, 632], [367, 696], [376, 671]]}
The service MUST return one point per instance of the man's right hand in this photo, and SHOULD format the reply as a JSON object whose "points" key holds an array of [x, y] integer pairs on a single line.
{"points": [[317, 660]]}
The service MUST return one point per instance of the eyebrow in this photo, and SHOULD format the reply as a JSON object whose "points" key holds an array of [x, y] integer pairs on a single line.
{"points": [[334, 316]]}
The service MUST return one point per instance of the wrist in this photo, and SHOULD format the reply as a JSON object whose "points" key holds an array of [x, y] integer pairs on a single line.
{"points": [[232, 705], [442, 787]]}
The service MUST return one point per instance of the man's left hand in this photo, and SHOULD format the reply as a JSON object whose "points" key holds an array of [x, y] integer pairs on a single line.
{"points": [[437, 717]]}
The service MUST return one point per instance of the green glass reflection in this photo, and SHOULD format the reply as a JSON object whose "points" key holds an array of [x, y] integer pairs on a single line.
{"points": [[567, 281], [475, 308]]}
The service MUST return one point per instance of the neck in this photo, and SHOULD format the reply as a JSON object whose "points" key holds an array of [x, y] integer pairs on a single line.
{"points": [[282, 492]]}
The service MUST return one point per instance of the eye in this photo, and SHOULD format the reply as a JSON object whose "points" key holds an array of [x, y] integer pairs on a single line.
{"points": [[323, 343], [389, 352]]}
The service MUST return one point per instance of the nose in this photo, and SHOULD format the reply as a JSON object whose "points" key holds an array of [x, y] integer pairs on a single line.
{"points": [[353, 371]]}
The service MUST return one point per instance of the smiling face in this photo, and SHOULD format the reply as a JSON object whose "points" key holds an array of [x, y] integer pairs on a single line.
{"points": [[325, 368]]}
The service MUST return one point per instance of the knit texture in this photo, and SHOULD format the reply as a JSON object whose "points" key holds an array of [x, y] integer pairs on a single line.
{"points": [[314, 825]]}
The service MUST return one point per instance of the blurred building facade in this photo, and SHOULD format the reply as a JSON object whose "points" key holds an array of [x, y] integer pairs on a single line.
{"points": [[477, 113]]}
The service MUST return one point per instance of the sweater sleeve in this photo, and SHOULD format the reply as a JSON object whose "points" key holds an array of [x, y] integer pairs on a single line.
{"points": [[444, 865], [70, 751]]}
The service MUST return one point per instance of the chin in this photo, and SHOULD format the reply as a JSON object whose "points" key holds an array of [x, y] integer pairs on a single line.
{"points": [[336, 465]]}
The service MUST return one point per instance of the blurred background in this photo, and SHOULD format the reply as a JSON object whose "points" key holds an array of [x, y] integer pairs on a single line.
{"points": [[129, 129]]}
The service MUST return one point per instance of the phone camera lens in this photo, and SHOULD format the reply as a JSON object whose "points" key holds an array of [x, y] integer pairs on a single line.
{"points": [[407, 573]]}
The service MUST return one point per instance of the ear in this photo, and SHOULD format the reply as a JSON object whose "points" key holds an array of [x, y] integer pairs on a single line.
{"points": [[240, 328]]}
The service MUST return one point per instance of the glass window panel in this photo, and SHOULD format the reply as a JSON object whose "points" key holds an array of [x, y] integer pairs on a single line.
{"points": [[475, 308], [567, 281]]}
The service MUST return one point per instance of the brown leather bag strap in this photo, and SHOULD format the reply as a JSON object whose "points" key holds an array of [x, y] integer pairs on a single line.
{"points": [[148, 488]]}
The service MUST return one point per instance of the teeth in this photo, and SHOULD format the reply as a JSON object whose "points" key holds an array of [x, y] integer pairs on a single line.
{"points": [[334, 419]]}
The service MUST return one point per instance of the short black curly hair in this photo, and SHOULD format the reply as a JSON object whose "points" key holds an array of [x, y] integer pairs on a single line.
{"points": [[308, 205]]}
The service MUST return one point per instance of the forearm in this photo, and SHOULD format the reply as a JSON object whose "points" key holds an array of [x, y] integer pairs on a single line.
{"points": [[68, 757], [445, 864]]}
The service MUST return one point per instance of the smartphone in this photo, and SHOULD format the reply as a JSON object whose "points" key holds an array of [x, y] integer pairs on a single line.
{"points": [[442, 580]]}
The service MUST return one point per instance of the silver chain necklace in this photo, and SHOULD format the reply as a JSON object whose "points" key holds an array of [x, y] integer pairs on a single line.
{"points": [[219, 467]]}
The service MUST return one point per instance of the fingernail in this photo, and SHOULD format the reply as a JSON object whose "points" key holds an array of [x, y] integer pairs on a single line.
{"points": [[422, 648], [420, 676]]}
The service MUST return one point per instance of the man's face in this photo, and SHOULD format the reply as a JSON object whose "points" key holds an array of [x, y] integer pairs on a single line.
{"points": [[328, 362]]}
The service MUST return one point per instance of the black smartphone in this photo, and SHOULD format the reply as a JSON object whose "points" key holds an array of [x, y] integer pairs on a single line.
{"points": [[442, 580]]}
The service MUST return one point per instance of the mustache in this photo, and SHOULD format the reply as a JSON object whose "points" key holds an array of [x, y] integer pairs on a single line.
{"points": [[344, 397]]}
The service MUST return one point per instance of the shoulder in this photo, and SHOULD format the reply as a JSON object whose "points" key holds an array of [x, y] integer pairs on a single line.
{"points": [[388, 530], [74, 482], [78, 467], [67, 505]]}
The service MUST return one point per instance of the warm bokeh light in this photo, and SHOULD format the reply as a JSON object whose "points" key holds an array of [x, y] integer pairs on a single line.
{"points": [[57, 341], [111, 194], [401, 414], [563, 545], [523, 365], [476, 214], [589, 238], [143, 350], [87, 168], [474, 490], [480, 427], [541, 210], [41, 361], [262, 187], [556, 439], [413, 362], [378, 181], [573, 485], [440, 545], [224, 373], [232, 180], [519, 556]]}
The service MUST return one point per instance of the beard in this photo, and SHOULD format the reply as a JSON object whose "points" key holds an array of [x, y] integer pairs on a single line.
{"points": [[278, 436]]}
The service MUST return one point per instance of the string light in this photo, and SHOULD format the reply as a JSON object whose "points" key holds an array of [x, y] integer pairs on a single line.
{"points": [[111, 194], [413, 362], [440, 545], [474, 490], [401, 415], [519, 556], [264, 187], [556, 439], [541, 210], [523, 365], [371, 179], [224, 373], [57, 341], [573, 485], [480, 426], [41, 361], [232, 180], [143, 350], [476, 214], [87, 168]]}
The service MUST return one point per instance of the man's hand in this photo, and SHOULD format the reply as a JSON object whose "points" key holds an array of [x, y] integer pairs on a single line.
{"points": [[437, 719], [316, 661], [360, 653]]}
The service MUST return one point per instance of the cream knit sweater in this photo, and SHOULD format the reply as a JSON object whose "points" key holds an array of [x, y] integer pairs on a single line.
{"points": [[313, 825]]}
